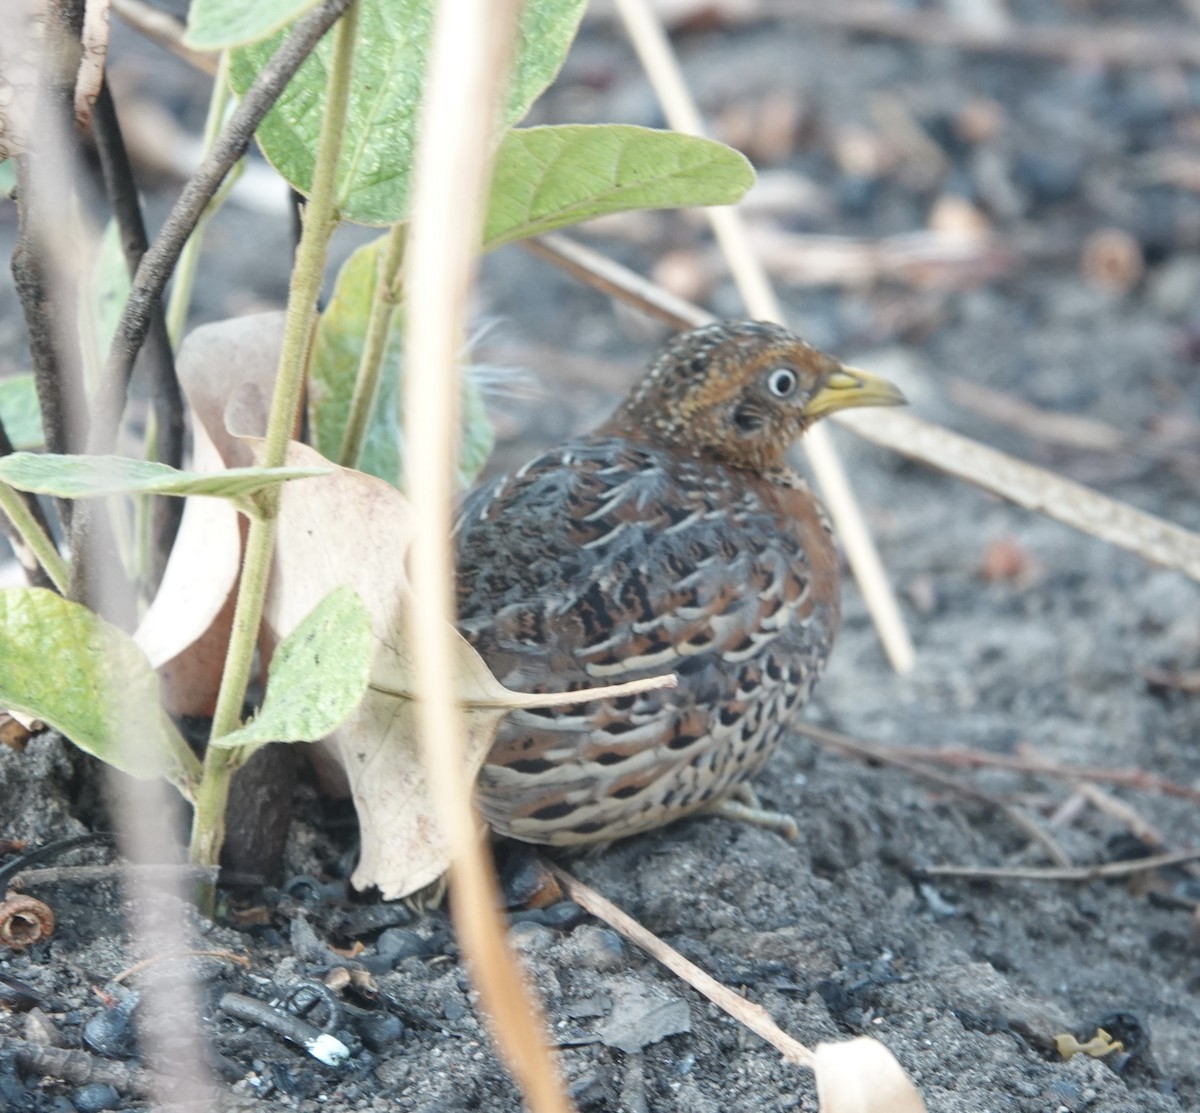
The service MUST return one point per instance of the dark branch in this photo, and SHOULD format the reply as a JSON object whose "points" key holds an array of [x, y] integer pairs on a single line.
{"points": [[41, 266], [157, 358]]}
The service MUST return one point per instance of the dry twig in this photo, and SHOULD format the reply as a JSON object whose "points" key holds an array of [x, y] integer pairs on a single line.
{"points": [[1104, 871], [468, 60], [122, 191], [112, 871], [1069, 430], [753, 1016], [864, 751], [158, 262], [1129, 778], [176, 956]]}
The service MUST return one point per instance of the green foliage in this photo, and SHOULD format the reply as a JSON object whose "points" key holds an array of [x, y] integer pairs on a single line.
{"points": [[318, 675], [548, 177], [87, 679], [20, 411], [217, 24], [385, 96], [337, 351], [77, 477]]}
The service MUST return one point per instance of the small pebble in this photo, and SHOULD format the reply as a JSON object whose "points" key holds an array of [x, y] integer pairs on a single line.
{"points": [[565, 915], [379, 1031], [303, 888], [111, 1033], [373, 917], [96, 1096], [401, 943], [39, 1028], [529, 937], [599, 948]]}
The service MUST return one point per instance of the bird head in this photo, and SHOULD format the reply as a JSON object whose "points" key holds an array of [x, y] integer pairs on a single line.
{"points": [[741, 392]]}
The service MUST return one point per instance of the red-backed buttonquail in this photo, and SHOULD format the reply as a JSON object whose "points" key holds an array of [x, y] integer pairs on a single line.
{"points": [[676, 539]]}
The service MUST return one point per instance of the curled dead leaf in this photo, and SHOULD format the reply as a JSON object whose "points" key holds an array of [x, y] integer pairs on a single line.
{"points": [[186, 630]]}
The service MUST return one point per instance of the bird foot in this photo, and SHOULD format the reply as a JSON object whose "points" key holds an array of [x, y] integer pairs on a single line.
{"points": [[742, 806]]}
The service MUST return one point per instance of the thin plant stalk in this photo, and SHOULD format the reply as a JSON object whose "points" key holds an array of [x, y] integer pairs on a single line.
{"points": [[379, 325], [189, 259], [208, 825], [468, 61], [39, 542]]}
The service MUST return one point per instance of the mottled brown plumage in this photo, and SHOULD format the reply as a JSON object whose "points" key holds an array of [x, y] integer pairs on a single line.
{"points": [[673, 538]]}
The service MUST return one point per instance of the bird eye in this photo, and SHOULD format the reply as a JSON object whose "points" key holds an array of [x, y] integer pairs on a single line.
{"points": [[781, 382]]}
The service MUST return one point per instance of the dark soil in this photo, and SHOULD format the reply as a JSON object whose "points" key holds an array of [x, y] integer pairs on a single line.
{"points": [[1030, 637]]}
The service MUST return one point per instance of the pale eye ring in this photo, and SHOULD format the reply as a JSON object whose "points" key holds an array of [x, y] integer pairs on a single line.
{"points": [[782, 381]]}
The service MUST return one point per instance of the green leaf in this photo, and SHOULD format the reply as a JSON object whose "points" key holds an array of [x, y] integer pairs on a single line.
{"points": [[337, 351], [80, 477], [389, 74], [85, 677], [318, 675], [21, 412], [548, 177], [218, 24], [8, 177]]}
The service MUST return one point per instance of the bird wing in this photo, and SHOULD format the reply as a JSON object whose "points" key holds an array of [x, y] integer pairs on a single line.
{"points": [[606, 563]]}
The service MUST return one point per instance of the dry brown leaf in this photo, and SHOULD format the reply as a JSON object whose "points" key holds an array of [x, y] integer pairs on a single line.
{"points": [[13, 733], [862, 1076], [351, 528], [186, 630]]}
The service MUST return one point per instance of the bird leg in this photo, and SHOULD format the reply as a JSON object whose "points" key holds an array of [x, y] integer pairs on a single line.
{"points": [[742, 805]]}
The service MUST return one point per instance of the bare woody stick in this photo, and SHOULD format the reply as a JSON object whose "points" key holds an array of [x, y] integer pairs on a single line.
{"points": [[646, 32]]}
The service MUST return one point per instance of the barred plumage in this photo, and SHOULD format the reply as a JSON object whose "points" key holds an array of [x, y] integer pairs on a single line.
{"points": [[674, 538]]}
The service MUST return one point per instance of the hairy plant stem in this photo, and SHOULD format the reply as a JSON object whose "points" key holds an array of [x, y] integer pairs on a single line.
{"points": [[35, 537], [208, 824], [379, 324]]}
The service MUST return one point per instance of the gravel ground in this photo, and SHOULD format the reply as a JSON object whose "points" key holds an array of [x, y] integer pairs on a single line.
{"points": [[1031, 639]]}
